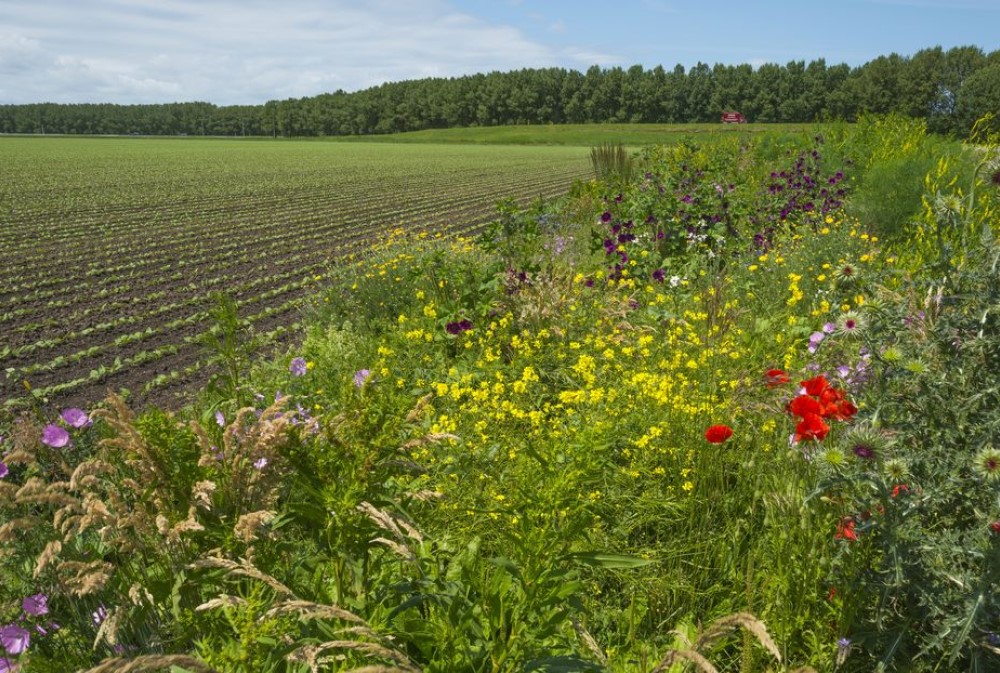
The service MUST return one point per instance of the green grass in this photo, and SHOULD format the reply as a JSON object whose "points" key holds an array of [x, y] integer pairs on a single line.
{"points": [[584, 135]]}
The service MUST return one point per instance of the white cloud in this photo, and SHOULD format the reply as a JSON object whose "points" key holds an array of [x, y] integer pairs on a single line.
{"points": [[247, 51]]}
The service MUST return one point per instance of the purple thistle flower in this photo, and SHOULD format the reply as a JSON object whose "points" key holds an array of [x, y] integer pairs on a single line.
{"points": [[76, 418], [14, 639], [36, 605], [298, 367], [55, 436], [863, 450], [360, 377]]}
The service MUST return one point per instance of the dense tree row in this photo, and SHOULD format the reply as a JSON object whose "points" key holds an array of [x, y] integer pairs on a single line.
{"points": [[949, 88]]}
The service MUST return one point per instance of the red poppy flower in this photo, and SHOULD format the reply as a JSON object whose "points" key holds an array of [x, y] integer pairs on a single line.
{"points": [[831, 395], [811, 427], [845, 530], [716, 434], [816, 385], [775, 377], [804, 405], [845, 410], [995, 526], [899, 488]]}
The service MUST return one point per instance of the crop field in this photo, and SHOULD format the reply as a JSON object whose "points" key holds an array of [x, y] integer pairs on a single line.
{"points": [[111, 248]]}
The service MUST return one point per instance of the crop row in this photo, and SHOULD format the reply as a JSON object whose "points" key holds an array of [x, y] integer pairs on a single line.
{"points": [[111, 256]]}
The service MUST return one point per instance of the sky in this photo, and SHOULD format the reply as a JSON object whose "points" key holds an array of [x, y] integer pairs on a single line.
{"points": [[246, 52]]}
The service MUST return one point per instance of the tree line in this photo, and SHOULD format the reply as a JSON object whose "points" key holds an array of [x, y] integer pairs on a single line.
{"points": [[949, 88]]}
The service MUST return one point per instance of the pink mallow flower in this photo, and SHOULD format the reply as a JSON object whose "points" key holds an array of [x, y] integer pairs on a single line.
{"points": [[14, 639], [76, 418], [55, 436], [36, 605]]}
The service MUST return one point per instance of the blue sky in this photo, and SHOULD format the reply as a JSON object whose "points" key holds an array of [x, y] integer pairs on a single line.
{"points": [[251, 51]]}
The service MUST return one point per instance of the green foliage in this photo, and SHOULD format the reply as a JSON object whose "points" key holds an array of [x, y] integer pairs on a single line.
{"points": [[612, 163], [230, 345]]}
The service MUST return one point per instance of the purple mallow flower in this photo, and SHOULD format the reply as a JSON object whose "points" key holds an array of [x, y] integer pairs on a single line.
{"points": [[76, 418], [814, 340], [36, 605], [220, 419], [14, 639], [55, 436], [298, 367], [360, 377], [4, 470]]}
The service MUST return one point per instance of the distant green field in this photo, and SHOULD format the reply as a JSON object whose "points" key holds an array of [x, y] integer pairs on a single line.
{"points": [[585, 135]]}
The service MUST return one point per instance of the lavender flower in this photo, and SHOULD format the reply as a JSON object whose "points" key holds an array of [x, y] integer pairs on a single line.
{"points": [[55, 436], [76, 418], [36, 605], [298, 367], [260, 463], [99, 615], [4, 470], [360, 377], [220, 419]]}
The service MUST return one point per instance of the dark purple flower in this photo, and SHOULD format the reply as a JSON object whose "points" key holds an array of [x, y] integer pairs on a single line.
{"points": [[36, 605], [459, 326], [659, 275], [76, 418], [863, 450], [14, 639], [55, 436], [606, 216]]}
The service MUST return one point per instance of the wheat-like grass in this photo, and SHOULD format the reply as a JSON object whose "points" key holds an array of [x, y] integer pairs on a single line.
{"points": [[309, 610], [418, 409], [47, 557], [224, 600], [730, 623], [588, 641], [245, 569], [151, 662], [311, 654], [676, 656]]}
